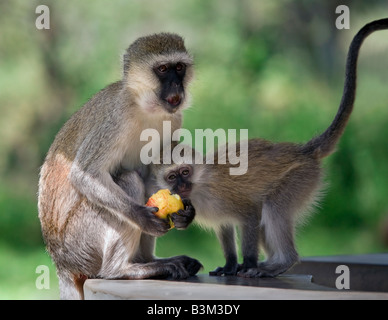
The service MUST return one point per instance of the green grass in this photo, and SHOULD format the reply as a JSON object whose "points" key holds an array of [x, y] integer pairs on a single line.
{"points": [[18, 274]]}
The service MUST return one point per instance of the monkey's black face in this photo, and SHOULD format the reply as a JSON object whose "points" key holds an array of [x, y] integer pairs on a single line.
{"points": [[180, 181], [171, 77]]}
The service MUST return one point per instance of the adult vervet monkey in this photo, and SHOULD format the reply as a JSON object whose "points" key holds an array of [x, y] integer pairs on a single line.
{"points": [[91, 198]]}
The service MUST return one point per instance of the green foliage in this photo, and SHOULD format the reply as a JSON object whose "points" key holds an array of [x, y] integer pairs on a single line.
{"points": [[274, 68]]}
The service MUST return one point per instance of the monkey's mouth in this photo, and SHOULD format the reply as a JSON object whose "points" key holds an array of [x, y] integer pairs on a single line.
{"points": [[184, 194]]}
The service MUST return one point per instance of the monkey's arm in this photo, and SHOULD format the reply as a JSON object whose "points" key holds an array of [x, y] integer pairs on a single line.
{"points": [[89, 174]]}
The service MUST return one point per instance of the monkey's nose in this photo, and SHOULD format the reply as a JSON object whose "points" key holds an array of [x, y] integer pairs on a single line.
{"points": [[174, 100]]}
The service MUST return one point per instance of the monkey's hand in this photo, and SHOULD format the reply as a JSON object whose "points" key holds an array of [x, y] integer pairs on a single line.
{"points": [[183, 218], [149, 223]]}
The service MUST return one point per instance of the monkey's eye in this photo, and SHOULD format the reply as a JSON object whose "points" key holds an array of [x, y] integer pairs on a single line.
{"points": [[163, 68], [171, 177], [179, 66], [185, 172]]}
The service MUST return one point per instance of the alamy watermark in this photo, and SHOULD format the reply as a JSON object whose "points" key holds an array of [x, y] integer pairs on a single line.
{"points": [[43, 279], [43, 20], [181, 153], [343, 281], [343, 20]]}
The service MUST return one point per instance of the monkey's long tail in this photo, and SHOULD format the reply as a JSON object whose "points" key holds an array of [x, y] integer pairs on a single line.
{"points": [[324, 144]]}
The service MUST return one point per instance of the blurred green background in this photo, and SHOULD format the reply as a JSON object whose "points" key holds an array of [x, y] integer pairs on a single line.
{"points": [[273, 67]]}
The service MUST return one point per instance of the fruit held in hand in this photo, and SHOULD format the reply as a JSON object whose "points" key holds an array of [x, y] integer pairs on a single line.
{"points": [[167, 203]]}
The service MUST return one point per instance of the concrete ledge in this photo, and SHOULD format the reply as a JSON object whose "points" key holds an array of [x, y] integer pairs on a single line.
{"points": [[368, 272], [313, 279], [182, 290]]}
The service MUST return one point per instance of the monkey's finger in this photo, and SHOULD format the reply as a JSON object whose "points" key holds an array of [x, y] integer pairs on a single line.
{"points": [[185, 213], [154, 209], [161, 229], [156, 226], [194, 266], [163, 224], [181, 220], [187, 203], [219, 271]]}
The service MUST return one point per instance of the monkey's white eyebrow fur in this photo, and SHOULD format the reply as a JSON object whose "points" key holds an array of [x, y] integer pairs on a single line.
{"points": [[171, 58]]}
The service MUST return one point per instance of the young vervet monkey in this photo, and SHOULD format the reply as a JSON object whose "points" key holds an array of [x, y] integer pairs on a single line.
{"points": [[282, 181], [93, 226]]}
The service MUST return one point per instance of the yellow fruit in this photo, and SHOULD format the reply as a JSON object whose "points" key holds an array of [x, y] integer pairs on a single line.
{"points": [[167, 204]]}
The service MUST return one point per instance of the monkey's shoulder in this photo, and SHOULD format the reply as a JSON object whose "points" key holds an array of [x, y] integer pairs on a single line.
{"points": [[105, 98], [97, 106]]}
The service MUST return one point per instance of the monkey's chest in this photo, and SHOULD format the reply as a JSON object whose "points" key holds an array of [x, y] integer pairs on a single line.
{"points": [[141, 153], [145, 142], [142, 150]]}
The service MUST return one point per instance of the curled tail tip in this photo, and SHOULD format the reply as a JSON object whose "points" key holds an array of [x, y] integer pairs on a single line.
{"points": [[325, 144]]}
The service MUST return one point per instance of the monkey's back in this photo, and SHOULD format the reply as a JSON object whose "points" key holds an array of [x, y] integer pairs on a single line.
{"points": [[268, 164], [57, 198], [273, 169], [96, 110]]}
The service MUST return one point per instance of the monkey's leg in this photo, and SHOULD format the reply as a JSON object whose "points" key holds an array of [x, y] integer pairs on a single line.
{"points": [[226, 235], [172, 268], [192, 266], [128, 254], [250, 245], [279, 241], [70, 285], [146, 254]]}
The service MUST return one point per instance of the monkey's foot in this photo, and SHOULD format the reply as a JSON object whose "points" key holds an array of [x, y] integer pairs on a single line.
{"points": [[248, 269], [227, 270], [192, 266], [248, 273], [180, 267], [272, 269]]}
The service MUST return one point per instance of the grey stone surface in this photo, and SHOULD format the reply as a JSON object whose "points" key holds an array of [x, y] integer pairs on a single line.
{"points": [[312, 279], [181, 290]]}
